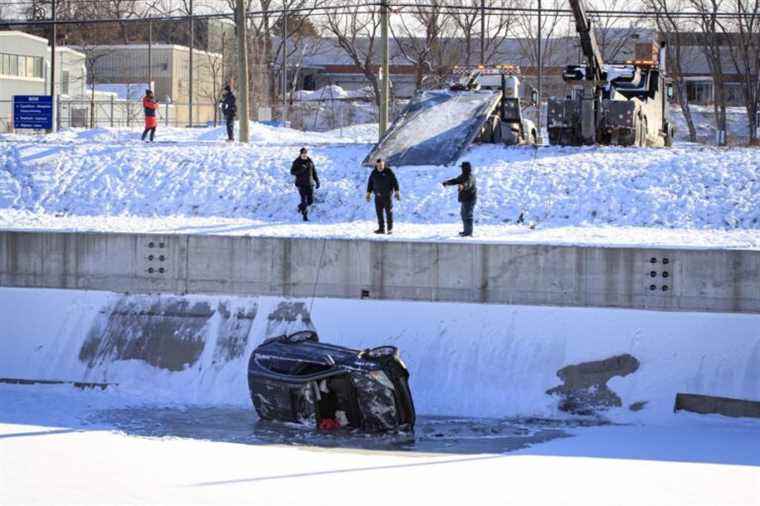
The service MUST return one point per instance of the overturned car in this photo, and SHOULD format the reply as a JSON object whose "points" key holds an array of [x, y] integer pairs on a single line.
{"points": [[296, 378]]}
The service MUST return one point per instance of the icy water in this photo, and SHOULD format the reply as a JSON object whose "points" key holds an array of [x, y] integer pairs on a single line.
{"points": [[431, 434]]}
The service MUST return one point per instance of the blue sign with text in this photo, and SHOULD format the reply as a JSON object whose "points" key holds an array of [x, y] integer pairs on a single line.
{"points": [[33, 112]]}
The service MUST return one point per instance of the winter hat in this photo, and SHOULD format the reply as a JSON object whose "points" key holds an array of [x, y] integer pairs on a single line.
{"points": [[466, 167], [148, 92], [227, 87], [303, 150]]}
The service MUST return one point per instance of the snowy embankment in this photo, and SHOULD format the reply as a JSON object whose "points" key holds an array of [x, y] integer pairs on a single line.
{"points": [[567, 194], [500, 366], [704, 124]]}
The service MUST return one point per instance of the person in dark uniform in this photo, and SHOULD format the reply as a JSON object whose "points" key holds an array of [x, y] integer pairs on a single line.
{"points": [[383, 183], [306, 177], [229, 109], [468, 195]]}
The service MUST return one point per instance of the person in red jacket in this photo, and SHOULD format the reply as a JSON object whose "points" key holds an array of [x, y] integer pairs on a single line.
{"points": [[150, 105]]}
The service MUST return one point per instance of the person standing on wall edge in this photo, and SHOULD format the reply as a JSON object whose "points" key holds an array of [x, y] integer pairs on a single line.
{"points": [[229, 109], [306, 177], [468, 195], [383, 183], [150, 105]]}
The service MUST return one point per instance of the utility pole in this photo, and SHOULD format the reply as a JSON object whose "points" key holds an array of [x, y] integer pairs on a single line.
{"points": [[482, 32], [539, 140], [242, 88], [192, 43], [53, 46], [385, 74], [284, 70], [150, 56]]}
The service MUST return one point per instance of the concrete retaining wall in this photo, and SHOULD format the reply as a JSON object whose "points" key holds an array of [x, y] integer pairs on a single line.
{"points": [[690, 280]]}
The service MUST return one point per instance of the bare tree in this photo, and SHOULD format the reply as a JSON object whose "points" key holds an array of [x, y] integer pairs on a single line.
{"points": [[295, 36], [710, 40], [266, 45], [614, 33], [672, 30], [357, 35], [743, 36], [551, 43], [260, 53], [470, 23], [211, 65], [420, 36]]}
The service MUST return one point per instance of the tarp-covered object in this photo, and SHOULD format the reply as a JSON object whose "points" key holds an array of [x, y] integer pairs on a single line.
{"points": [[435, 128]]}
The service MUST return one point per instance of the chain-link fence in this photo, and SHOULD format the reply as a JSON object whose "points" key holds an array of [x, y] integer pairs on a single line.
{"points": [[116, 113]]}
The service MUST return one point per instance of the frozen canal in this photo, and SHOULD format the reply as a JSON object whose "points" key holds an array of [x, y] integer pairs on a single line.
{"points": [[432, 434], [59, 446]]}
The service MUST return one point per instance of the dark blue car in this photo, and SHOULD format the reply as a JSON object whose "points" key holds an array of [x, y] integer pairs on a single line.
{"points": [[296, 378]]}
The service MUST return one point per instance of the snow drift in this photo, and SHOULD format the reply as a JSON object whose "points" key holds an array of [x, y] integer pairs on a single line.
{"points": [[464, 359], [109, 172]]}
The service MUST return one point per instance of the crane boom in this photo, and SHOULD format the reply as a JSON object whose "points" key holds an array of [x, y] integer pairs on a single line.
{"points": [[589, 45]]}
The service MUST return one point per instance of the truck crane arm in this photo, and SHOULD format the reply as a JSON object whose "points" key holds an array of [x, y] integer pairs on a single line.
{"points": [[589, 45]]}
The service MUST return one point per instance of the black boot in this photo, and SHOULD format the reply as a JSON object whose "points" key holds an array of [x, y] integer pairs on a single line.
{"points": [[305, 215], [380, 230], [467, 229]]}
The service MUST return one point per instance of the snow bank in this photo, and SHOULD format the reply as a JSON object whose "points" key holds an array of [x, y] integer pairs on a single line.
{"points": [[465, 359], [331, 92], [108, 172], [704, 123]]}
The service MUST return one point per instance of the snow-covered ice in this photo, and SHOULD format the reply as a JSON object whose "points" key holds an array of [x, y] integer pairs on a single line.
{"points": [[55, 449], [191, 181]]}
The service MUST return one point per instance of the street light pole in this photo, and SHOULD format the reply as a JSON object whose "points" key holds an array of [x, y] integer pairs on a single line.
{"points": [[192, 43], [53, 46], [540, 74], [150, 56], [385, 84], [284, 70], [482, 32], [242, 87]]}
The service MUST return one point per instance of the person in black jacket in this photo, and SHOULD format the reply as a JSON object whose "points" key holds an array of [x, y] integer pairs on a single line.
{"points": [[383, 183], [468, 195], [306, 177], [229, 109]]}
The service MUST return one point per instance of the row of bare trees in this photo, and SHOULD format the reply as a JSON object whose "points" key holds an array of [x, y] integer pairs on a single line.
{"points": [[729, 45], [429, 37]]}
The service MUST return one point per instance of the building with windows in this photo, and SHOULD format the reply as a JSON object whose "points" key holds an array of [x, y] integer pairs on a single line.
{"points": [[25, 70], [168, 68]]}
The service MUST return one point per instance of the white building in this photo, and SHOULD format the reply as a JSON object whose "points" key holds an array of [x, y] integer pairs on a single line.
{"points": [[25, 70]]}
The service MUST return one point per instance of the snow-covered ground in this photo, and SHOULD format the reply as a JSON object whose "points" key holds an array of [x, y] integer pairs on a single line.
{"points": [[105, 179], [57, 446]]}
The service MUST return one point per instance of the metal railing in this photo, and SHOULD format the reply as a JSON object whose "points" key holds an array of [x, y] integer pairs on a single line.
{"points": [[117, 113]]}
